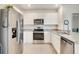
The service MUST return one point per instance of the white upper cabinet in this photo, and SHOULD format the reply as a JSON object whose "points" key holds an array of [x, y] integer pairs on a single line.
{"points": [[51, 18]]}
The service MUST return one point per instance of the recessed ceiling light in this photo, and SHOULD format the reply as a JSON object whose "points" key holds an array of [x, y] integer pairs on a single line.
{"points": [[29, 5], [56, 5]]}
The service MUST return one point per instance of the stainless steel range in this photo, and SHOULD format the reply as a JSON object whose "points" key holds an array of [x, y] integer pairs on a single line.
{"points": [[38, 33]]}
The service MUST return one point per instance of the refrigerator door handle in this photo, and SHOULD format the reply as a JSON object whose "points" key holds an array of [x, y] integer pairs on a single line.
{"points": [[4, 26]]}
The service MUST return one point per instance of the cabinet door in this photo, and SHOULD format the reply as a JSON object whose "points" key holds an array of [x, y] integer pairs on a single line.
{"points": [[28, 37], [76, 48], [47, 36], [51, 18], [56, 42]]}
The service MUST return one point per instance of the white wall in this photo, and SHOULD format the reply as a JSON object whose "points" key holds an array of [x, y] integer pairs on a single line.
{"points": [[60, 18], [65, 13], [49, 16], [68, 10]]}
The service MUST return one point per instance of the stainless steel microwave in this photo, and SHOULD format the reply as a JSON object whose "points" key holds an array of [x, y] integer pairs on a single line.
{"points": [[38, 21]]}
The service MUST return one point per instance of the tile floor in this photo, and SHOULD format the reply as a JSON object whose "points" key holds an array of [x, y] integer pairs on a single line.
{"points": [[15, 48], [38, 49]]}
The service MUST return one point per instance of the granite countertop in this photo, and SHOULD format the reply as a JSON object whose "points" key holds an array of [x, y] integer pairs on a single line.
{"points": [[72, 36]]}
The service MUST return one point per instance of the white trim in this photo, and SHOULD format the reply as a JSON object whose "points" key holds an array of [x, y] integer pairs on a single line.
{"points": [[17, 10]]}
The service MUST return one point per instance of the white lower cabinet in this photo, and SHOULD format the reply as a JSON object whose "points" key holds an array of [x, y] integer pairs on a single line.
{"points": [[47, 36], [28, 37], [77, 48], [56, 42]]}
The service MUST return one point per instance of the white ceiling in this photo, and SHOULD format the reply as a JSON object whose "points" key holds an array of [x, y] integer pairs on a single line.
{"points": [[37, 6]]}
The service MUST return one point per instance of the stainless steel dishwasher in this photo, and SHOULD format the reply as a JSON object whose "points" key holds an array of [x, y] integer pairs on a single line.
{"points": [[67, 46]]}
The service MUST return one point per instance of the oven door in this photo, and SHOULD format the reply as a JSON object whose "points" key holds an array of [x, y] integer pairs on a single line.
{"points": [[38, 36]]}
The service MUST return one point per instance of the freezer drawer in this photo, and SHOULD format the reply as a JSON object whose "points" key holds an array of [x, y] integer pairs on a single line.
{"points": [[67, 46]]}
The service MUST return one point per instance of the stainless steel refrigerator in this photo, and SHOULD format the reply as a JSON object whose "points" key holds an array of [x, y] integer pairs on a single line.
{"points": [[7, 16], [3, 30]]}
